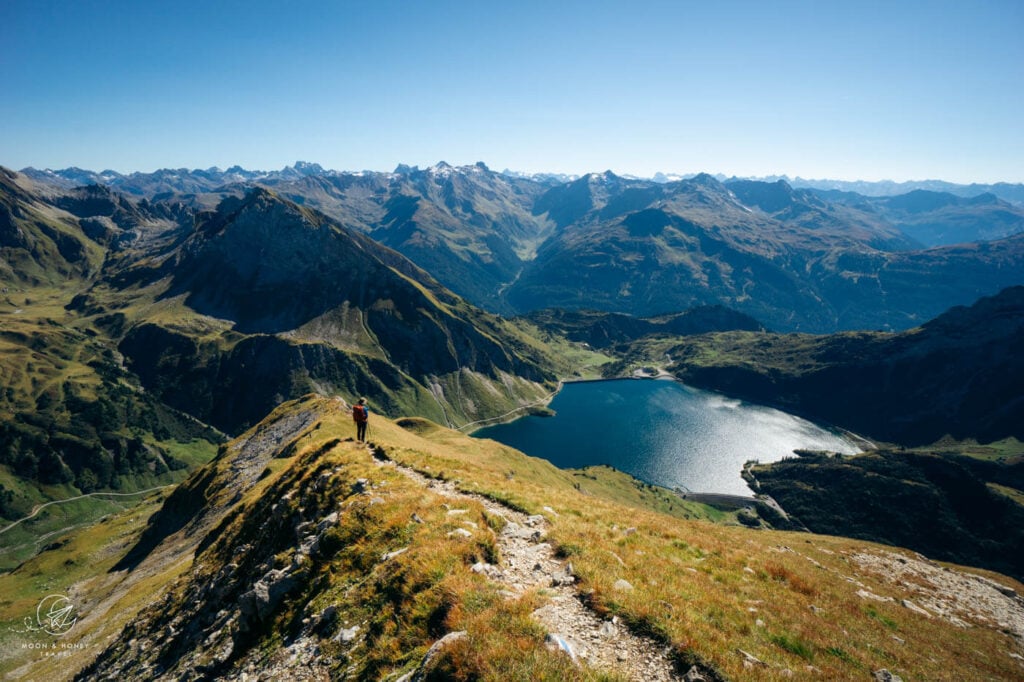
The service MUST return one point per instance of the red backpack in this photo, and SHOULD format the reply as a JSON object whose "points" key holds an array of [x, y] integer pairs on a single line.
{"points": [[360, 413]]}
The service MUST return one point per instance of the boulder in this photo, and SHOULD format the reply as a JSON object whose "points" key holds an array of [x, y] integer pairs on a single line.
{"points": [[915, 608], [346, 635], [424, 667], [328, 521], [259, 602]]}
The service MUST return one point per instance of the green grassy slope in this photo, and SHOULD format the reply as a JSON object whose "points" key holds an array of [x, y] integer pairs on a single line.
{"points": [[73, 421]]}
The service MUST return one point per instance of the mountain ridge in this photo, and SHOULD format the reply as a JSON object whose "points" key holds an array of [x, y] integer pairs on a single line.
{"points": [[1012, 192], [318, 554], [284, 279], [816, 262]]}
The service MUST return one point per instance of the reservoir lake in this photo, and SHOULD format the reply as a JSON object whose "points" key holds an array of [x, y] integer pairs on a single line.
{"points": [[663, 432]]}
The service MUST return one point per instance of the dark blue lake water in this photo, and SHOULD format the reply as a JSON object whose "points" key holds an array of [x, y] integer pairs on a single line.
{"points": [[663, 432]]}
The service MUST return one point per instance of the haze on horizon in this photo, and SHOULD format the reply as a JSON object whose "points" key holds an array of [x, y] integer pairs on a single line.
{"points": [[853, 91]]}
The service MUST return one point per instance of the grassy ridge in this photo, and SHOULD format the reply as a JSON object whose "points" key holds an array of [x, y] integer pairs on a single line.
{"points": [[706, 590], [74, 417]]}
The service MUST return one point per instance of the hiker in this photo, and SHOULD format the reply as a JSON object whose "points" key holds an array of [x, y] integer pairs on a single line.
{"points": [[360, 415]]}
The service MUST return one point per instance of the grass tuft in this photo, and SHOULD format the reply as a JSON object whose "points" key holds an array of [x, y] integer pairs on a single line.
{"points": [[793, 645]]}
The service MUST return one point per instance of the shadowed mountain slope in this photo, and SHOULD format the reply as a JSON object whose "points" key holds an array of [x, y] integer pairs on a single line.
{"points": [[947, 506], [287, 300], [959, 375], [601, 330]]}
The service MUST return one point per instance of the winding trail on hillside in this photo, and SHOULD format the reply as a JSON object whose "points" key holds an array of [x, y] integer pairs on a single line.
{"points": [[540, 401], [527, 562], [41, 507]]}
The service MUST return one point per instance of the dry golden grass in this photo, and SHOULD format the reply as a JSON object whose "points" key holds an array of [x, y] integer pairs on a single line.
{"points": [[708, 590], [704, 587]]}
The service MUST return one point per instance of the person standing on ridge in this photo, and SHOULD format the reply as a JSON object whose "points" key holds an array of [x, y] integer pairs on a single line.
{"points": [[360, 415]]}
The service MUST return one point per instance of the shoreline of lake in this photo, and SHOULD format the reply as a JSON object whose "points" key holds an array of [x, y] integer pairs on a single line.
{"points": [[690, 439], [523, 411]]}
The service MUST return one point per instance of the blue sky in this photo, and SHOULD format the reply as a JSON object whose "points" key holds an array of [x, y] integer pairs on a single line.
{"points": [[845, 90]]}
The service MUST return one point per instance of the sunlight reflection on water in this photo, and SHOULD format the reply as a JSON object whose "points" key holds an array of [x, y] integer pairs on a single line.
{"points": [[665, 433]]}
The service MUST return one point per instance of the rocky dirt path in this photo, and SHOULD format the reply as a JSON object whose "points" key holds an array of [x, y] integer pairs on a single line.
{"points": [[527, 562]]}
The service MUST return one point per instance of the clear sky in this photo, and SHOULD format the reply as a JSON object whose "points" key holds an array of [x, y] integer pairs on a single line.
{"points": [[819, 89]]}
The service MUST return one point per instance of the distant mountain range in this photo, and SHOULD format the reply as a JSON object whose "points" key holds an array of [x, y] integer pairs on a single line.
{"points": [[1011, 192], [142, 183], [796, 259]]}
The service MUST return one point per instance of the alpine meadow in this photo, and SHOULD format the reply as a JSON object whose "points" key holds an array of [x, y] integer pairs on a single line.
{"points": [[707, 384]]}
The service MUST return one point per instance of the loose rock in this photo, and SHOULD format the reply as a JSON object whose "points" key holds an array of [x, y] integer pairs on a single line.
{"points": [[432, 653], [557, 642], [915, 608], [391, 555], [346, 635], [749, 660]]}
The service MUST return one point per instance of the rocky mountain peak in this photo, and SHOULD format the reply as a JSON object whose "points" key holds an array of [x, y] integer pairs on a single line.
{"points": [[770, 197], [704, 180], [307, 168]]}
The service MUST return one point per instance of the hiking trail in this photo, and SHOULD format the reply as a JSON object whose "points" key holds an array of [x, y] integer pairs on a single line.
{"points": [[527, 562]]}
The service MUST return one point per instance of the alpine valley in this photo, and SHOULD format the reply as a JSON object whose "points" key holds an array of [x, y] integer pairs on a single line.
{"points": [[179, 351]]}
